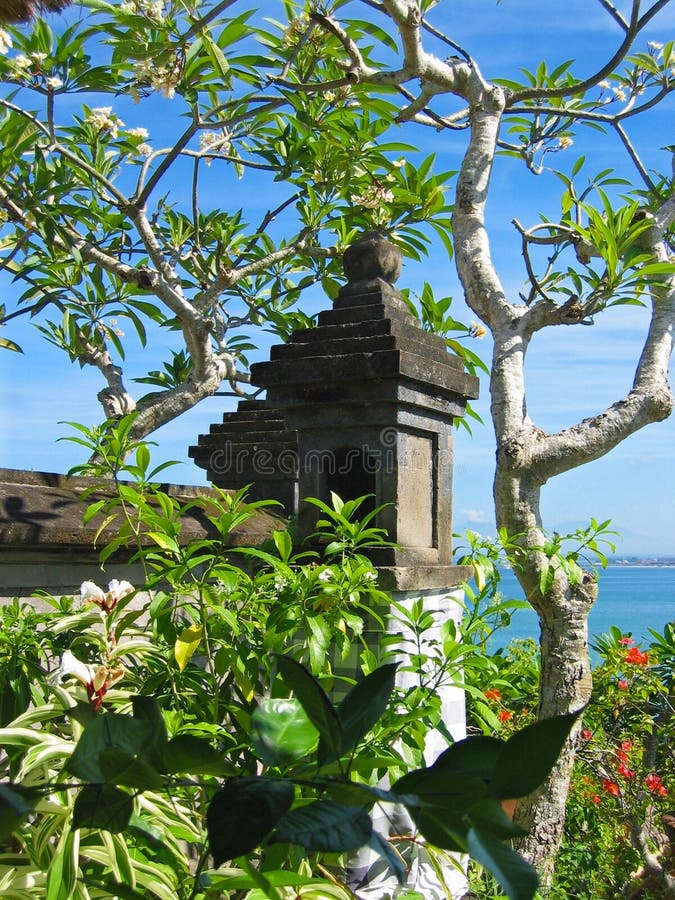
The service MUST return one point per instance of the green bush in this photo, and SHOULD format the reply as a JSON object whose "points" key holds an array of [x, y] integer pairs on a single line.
{"points": [[197, 736], [617, 836]]}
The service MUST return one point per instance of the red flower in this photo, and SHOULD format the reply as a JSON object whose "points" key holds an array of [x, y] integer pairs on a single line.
{"points": [[627, 746], [626, 641], [636, 657], [504, 715], [611, 787], [586, 734], [653, 782], [622, 684], [596, 799], [493, 694], [623, 770], [622, 756]]}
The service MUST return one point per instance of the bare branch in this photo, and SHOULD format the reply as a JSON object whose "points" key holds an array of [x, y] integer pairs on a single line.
{"points": [[358, 63], [143, 188], [650, 399], [614, 13], [205, 20], [653, 866], [230, 276], [634, 27], [637, 162], [318, 87]]}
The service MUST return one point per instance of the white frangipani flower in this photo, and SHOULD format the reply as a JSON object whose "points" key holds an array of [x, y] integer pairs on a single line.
{"points": [[5, 42], [71, 665], [118, 589], [91, 591]]}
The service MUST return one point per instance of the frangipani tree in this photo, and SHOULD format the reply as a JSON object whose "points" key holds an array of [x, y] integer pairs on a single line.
{"points": [[310, 103], [106, 230]]}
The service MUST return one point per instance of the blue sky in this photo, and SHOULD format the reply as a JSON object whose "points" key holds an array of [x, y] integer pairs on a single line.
{"points": [[572, 372]]}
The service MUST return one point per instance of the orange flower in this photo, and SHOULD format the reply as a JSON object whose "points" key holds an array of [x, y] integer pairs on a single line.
{"points": [[636, 657], [504, 715], [596, 799], [653, 782], [611, 787], [493, 694]]}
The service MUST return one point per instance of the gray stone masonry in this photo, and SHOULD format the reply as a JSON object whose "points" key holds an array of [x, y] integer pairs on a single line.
{"points": [[364, 403]]}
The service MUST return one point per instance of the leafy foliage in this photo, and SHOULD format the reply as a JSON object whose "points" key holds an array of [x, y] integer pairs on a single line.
{"points": [[208, 714]]}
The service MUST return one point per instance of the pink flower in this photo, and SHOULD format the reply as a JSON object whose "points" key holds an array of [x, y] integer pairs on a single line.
{"points": [[627, 746], [586, 734], [626, 641], [622, 684]]}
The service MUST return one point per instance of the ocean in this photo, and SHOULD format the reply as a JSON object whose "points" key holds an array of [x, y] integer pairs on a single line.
{"points": [[634, 598]]}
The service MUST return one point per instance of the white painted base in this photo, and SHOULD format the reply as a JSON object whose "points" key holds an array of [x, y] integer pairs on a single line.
{"points": [[432, 875]]}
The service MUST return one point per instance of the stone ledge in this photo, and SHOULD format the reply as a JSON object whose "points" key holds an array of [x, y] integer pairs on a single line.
{"points": [[45, 509], [421, 578]]}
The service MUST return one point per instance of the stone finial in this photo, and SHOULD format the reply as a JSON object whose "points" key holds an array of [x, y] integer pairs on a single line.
{"points": [[372, 256]]}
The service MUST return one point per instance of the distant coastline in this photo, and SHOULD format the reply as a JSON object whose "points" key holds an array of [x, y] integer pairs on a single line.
{"points": [[642, 561]]}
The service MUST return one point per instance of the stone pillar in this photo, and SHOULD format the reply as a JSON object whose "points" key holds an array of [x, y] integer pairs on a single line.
{"points": [[364, 403]]}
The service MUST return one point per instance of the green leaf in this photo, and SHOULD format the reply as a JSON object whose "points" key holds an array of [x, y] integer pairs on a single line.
{"points": [[489, 815], [475, 756], [527, 758], [364, 704], [188, 753], [283, 543], [282, 732], [390, 856], [516, 876], [164, 541], [186, 644], [112, 731], [325, 826], [102, 806], [15, 804], [316, 704], [243, 813], [128, 769]]}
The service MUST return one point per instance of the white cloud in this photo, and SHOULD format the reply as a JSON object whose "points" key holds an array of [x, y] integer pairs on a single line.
{"points": [[476, 516]]}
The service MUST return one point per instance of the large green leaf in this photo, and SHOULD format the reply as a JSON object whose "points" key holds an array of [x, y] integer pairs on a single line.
{"points": [[188, 753], [282, 732], [517, 877], [128, 769], [475, 755], [527, 758], [316, 704], [243, 813], [325, 826], [113, 731], [15, 804], [488, 815], [364, 704], [102, 806]]}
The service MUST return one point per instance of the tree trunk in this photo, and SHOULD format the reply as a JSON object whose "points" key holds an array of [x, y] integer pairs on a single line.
{"points": [[565, 686]]}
